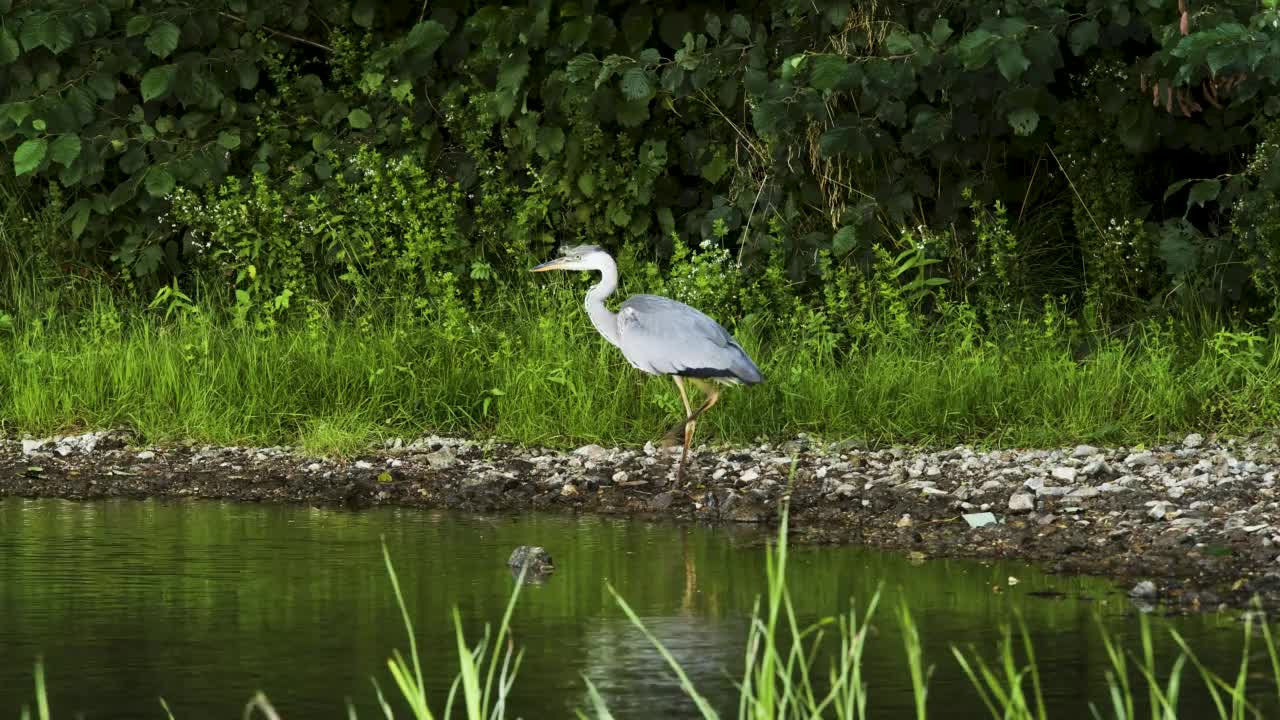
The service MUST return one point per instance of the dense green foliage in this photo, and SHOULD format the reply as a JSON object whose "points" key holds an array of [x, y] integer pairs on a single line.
{"points": [[219, 138]]}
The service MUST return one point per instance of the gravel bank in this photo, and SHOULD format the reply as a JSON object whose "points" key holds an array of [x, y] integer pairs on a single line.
{"points": [[1194, 525]]}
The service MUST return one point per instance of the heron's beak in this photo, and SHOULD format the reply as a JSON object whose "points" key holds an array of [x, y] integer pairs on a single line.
{"points": [[549, 265]]}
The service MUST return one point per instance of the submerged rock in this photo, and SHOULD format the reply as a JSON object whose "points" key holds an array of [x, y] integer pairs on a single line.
{"points": [[1145, 590], [535, 558]]}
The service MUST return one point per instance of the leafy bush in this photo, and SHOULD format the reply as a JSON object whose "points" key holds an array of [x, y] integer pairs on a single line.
{"points": [[776, 130]]}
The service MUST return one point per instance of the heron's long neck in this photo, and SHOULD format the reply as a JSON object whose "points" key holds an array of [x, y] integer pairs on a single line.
{"points": [[605, 320]]}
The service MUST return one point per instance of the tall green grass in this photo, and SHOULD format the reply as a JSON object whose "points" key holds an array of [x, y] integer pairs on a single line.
{"points": [[780, 678], [530, 368]]}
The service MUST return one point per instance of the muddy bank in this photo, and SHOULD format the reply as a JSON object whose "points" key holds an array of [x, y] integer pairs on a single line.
{"points": [[1200, 520]]}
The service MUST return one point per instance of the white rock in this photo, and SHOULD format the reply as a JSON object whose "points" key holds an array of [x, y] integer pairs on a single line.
{"points": [[1158, 510], [1084, 492], [981, 519], [1094, 468], [1140, 459], [1083, 451], [146, 455], [30, 446], [1021, 502], [1052, 491], [591, 452], [1194, 440], [441, 459], [1066, 474], [749, 476], [363, 465]]}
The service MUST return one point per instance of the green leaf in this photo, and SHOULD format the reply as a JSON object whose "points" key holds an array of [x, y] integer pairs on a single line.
{"points": [[34, 30], [1083, 36], [1012, 62], [362, 13], [581, 67], [1203, 192], [846, 239], [163, 39], [229, 139], [29, 155], [103, 86], [157, 81], [426, 36], [637, 26], [9, 49], [666, 220], [17, 112], [1024, 120], [159, 182], [1176, 249], [740, 28], [1220, 57], [631, 113], [550, 141], [511, 75], [359, 119], [58, 35], [587, 184], [973, 48], [941, 31], [1169, 191], [137, 25], [714, 25], [79, 218], [635, 83], [899, 43], [715, 168], [65, 149], [827, 71], [248, 76]]}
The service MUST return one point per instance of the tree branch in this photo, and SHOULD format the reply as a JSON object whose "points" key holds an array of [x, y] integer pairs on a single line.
{"points": [[281, 33]]}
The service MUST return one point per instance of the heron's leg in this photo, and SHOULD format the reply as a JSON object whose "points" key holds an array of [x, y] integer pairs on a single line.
{"points": [[671, 438], [713, 395]]}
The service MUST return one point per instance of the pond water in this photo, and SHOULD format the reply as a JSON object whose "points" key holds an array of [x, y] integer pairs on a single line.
{"points": [[203, 604]]}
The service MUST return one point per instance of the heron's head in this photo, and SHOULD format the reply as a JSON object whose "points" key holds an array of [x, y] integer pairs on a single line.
{"points": [[578, 257]]}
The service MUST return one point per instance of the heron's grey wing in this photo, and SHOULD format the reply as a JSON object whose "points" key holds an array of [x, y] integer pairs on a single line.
{"points": [[663, 336]]}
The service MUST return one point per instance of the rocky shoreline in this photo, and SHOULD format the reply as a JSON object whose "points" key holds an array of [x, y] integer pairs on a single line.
{"points": [[1194, 525]]}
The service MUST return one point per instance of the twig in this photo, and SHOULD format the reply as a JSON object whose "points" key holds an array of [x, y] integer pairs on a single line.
{"points": [[281, 33], [743, 243]]}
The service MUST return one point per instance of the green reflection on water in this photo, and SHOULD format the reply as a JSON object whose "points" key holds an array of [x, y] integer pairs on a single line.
{"points": [[205, 603]]}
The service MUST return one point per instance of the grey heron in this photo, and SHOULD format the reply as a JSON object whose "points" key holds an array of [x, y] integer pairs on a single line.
{"points": [[661, 336]]}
